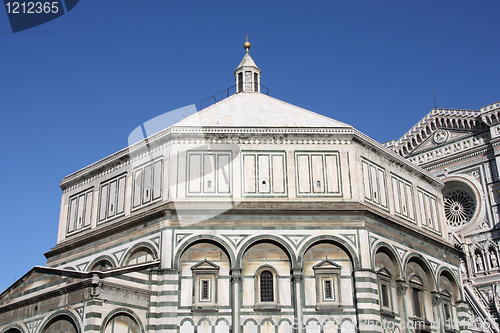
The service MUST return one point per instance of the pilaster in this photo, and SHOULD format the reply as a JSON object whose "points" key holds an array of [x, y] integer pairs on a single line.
{"points": [[367, 301]]}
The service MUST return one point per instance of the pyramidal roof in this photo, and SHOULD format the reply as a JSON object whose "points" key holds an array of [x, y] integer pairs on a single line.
{"points": [[250, 108], [247, 61], [257, 110]]}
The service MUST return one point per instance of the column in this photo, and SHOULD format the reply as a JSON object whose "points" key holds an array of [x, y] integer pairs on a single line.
{"points": [[401, 288], [297, 278], [439, 318], [236, 292]]}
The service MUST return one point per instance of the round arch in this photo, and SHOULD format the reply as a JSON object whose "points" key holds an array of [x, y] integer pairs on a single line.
{"points": [[222, 320], [281, 243], [14, 328], [101, 258], [390, 251], [251, 321], [266, 320], [445, 271], [224, 246], [332, 239], [420, 259], [202, 320], [123, 311], [62, 314], [189, 320], [136, 247]]}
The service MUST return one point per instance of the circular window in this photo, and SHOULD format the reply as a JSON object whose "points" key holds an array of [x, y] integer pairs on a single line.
{"points": [[459, 204]]}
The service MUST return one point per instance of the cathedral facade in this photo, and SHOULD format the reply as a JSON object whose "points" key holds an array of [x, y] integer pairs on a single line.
{"points": [[461, 147], [254, 215]]}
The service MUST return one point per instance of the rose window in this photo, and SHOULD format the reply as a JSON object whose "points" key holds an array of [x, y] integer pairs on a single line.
{"points": [[459, 207]]}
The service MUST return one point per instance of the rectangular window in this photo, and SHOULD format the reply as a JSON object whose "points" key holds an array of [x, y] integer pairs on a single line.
{"points": [[447, 315], [385, 296], [417, 311], [328, 289], [204, 290], [256, 81], [240, 82]]}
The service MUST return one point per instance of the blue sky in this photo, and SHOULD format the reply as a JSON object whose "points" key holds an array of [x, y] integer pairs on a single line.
{"points": [[73, 89]]}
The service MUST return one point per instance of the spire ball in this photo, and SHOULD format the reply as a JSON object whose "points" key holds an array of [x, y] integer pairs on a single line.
{"points": [[247, 44]]}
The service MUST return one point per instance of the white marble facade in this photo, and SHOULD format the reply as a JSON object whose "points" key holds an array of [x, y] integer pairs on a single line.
{"points": [[251, 215]]}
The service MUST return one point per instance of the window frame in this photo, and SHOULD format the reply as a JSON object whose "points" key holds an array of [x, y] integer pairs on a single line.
{"points": [[205, 271], [384, 280], [417, 288], [327, 270], [266, 305]]}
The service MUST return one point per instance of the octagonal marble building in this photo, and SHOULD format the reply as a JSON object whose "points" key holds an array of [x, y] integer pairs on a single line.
{"points": [[249, 216]]}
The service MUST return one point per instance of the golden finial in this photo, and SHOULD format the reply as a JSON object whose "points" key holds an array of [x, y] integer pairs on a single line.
{"points": [[247, 43]]}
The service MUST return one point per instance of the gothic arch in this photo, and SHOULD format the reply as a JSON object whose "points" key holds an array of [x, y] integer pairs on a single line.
{"points": [[329, 239], [121, 311], [224, 246], [62, 314], [281, 243], [136, 247]]}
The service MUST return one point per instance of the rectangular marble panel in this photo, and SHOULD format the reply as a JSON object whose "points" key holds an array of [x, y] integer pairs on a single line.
{"points": [[103, 202], [81, 211], [223, 170], [209, 173], [278, 167], [395, 192], [157, 179], [303, 173], [112, 199], [72, 214], [146, 192], [374, 184], [382, 189], [249, 173], [137, 187], [366, 181], [318, 181], [263, 167], [332, 174], [120, 204], [194, 173], [186, 292], [88, 208], [409, 201]]}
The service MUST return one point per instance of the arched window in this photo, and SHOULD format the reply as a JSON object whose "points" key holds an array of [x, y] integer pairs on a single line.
{"points": [[122, 324], [266, 286], [61, 324], [140, 256], [102, 265]]}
